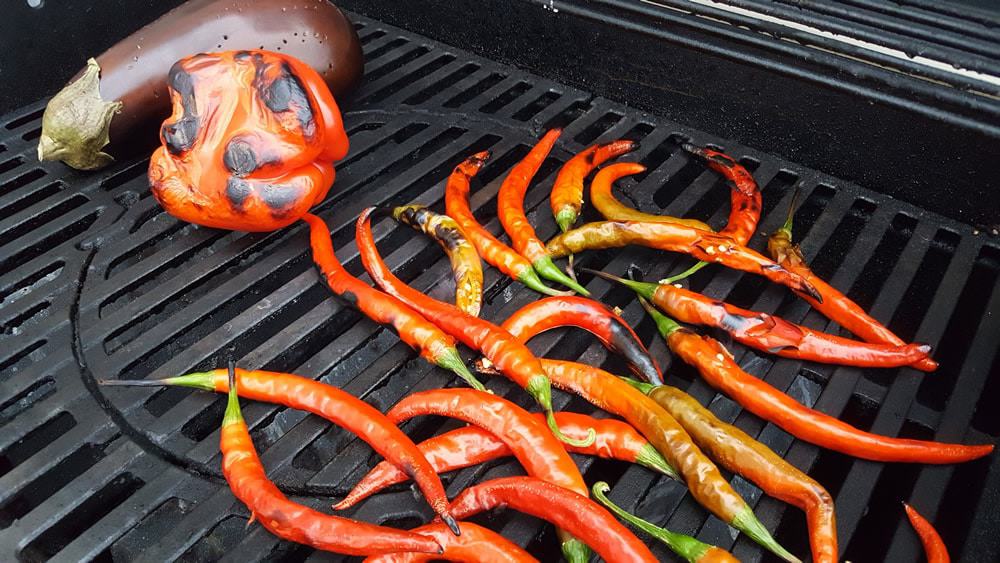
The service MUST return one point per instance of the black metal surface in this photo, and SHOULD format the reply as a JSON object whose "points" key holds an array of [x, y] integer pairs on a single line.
{"points": [[95, 281]]}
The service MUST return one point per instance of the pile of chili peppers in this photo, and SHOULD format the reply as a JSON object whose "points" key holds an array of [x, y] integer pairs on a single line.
{"points": [[659, 427]]}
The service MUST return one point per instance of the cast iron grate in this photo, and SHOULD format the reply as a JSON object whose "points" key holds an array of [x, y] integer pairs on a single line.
{"points": [[96, 281]]}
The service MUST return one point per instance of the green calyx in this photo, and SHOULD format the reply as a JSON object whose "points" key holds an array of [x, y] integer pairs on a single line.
{"points": [[786, 228], [746, 521], [450, 360], [575, 551], [644, 289], [645, 388], [686, 273], [530, 278], [683, 545], [664, 324], [548, 270], [650, 458], [204, 380], [540, 388], [233, 414], [566, 218]]}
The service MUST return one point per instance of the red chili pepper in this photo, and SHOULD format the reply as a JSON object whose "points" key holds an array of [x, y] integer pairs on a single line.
{"points": [[538, 451], [337, 406], [471, 445], [607, 205], [475, 545], [250, 143], [745, 204], [702, 477], [566, 509], [741, 454], [511, 357], [769, 333], [433, 344], [510, 211], [494, 252], [286, 519], [832, 303], [553, 312], [567, 193], [703, 245], [691, 549], [717, 367], [933, 545]]}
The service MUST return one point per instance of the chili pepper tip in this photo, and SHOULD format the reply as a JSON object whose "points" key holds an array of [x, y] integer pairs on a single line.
{"points": [[452, 524]]}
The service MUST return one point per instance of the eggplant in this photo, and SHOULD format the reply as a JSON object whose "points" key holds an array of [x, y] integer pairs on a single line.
{"points": [[79, 121]]}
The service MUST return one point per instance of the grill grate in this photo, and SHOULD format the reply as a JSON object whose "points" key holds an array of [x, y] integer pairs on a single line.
{"points": [[97, 281]]}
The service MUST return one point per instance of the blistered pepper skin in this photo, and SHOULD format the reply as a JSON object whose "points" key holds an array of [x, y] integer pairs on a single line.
{"points": [[250, 144]]}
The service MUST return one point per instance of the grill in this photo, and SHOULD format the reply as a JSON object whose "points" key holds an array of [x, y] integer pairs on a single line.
{"points": [[97, 282]]}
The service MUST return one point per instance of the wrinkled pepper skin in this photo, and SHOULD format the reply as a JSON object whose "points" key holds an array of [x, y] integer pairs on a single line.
{"points": [[250, 144], [703, 245], [604, 201], [740, 453], [465, 265], [475, 545], [566, 509], [292, 521], [554, 312], [745, 202], [717, 367], [933, 544], [566, 198], [470, 446], [494, 252]]}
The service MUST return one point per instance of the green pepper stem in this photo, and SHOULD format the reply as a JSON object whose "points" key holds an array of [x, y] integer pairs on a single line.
{"points": [[575, 551], [651, 458], [540, 388], [664, 324], [204, 380], [565, 218], [645, 388], [548, 270], [233, 414], [746, 521], [690, 271], [683, 545], [787, 227], [450, 360], [645, 289], [530, 278]]}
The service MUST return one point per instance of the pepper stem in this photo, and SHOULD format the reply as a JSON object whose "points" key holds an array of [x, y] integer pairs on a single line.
{"points": [[204, 380], [548, 270], [540, 388], [565, 218], [530, 278], [786, 228], [683, 545], [746, 521], [690, 271], [642, 386], [664, 324], [450, 360], [575, 551], [233, 414], [645, 289], [651, 458]]}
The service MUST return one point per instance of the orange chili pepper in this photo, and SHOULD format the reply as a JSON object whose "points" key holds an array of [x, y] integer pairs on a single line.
{"points": [[567, 193], [420, 334], [553, 312], [607, 205], [494, 252], [475, 545], [933, 545], [511, 357], [745, 203], [832, 303], [286, 519], [538, 451], [562, 507], [465, 265], [716, 366], [337, 406], [470, 446], [250, 143], [510, 211]]}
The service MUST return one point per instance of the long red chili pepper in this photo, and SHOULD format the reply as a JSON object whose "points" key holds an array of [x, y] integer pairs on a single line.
{"points": [[433, 344], [689, 548], [471, 445], [702, 477], [465, 265], [717, 367], [511, 357], [337, 406], [565, 508], [538, 450], [832, 303], [510, 211], [933, 544], [745, 204], [703, 245], [494, 252], [553, 312], [286, 519], [567, 193], [475, 545], [607, 205], [740, 453], [769, 333]]}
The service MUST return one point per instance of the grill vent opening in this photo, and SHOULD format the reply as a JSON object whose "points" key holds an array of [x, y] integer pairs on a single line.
{"points": [[43, 486], [23, 400], [34, 441], [423, 95], [881, 262], [598, 127], [508, 96]]}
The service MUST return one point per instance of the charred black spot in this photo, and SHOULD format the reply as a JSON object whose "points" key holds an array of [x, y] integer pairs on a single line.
{"points": [[591, 157], [279, 197], [723, 160], [179, 136], [237, 191], [623, 342], [350, 297], [448, 236], [744, 205], [239, 157], [286, 93]]}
